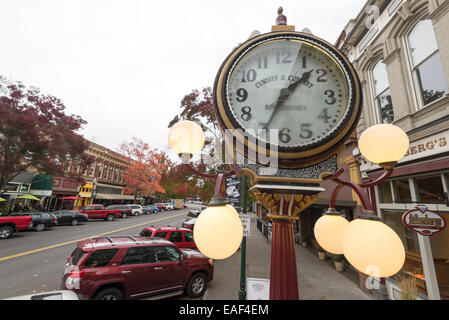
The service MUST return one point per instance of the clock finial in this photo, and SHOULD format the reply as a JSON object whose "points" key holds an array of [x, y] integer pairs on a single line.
{"points": [[281, 19]]}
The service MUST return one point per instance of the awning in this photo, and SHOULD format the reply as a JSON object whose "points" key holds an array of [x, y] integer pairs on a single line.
{"points": [[104, 196], [28, 196]]}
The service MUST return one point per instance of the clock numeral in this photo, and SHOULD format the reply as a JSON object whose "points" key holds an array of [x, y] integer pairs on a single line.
{"points": [[324, 115], [249, 76], [321, 74], [262, 62], [284, 135], [304, 62], [242, 95], [285, 57], [306, 133], [331, 97], [246, 113]]}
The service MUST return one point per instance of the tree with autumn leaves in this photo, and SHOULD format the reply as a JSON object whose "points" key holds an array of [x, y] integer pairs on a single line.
{"points": [[143, 175], [37, 135]]}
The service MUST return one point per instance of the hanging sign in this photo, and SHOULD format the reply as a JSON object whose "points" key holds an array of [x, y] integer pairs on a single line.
{"points": [[233, 192], [423, 221]]}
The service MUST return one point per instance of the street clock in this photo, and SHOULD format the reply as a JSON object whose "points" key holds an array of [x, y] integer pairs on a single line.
{"points": [[295, 83]]}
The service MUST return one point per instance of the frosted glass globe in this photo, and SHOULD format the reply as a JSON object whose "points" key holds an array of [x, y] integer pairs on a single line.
{"points": [[218, 232], [383, 143], [186, 137], [373, 248], [328, 232]]}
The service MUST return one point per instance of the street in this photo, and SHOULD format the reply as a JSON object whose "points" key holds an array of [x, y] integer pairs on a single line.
{"points": [[33, 261]]}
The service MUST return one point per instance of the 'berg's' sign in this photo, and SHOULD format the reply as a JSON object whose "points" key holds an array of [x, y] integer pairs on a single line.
{"points": [[423, 221]]}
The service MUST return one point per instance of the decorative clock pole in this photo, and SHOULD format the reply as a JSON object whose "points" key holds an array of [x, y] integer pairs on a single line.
{"points": [[286, 101]]}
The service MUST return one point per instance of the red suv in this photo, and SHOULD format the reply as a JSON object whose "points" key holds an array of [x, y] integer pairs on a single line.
{"points": [[181, 237], [134, 267]]}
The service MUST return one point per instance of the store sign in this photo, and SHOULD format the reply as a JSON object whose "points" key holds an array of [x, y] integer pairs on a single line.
{"points": [[423, 221]]}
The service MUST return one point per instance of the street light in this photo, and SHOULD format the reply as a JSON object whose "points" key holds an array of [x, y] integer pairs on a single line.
{"points": [[218, 231], [384, 144], [328, 231], [370, 246], [186, 137]]}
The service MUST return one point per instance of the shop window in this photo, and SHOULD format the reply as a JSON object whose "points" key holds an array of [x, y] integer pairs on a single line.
{"points": [[426, 62], [385, 195], [430, 189], [402, 191], [384, 106], [409, 238]]}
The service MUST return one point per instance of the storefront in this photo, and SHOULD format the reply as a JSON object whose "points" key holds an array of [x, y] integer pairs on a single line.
{"points": [[42, 187], [62, 188], [421, 178]]}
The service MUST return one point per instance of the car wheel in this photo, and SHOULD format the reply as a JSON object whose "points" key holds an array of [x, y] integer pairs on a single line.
{"points": [[109, 294], [40, 227], [6, 232], [197, 285], [75, 222], [110, 217], [124, 215]]}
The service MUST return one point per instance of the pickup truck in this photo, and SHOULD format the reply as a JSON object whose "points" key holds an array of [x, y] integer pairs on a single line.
{"points": [[97, 211], [11, 224]]}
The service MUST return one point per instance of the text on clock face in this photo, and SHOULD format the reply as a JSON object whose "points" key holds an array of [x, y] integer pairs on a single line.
{"points": [[289, 86]]}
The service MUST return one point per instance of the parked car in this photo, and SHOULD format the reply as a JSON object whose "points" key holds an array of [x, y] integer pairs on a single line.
{"points": [[125, 210], [70, 217], [193, 214], [52, 295], [137, 209], [40, 220], [189, 224], [133, 267], [161, 206], [181, 237], [97, 211], [149, 208], [11, 224], [169, 206]]}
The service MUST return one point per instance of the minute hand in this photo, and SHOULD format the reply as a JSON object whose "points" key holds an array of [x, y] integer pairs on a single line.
{"points": [[285, 94]]}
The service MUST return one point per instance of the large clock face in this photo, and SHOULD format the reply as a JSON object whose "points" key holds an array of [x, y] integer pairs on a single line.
{"points": [[290, 86], [290, 90]]}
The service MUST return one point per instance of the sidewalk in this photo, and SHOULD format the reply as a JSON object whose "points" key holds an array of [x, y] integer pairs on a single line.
{"points": [[317, 280]]}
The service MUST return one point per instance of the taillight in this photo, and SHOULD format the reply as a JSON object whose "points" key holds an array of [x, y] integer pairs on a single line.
{"points": [[211, 262], [76, 274]]}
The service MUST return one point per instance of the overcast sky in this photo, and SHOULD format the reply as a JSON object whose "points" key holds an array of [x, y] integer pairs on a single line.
{"points": [[124, 66]]}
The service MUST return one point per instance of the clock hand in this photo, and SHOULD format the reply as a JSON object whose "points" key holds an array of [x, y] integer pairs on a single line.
{"points": [[285, 93]]}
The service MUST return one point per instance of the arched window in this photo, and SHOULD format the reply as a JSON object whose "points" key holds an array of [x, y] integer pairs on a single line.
{"points": [[382, 100], [426, 62]]}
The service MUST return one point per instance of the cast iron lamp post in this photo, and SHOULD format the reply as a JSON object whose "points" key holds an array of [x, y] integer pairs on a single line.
{"points": [[371, 246]]}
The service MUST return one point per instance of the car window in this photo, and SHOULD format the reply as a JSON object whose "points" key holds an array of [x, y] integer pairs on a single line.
{"points": [[188, 236], [138, 255], [166, 254], [112, 207], [76, 255], [161, 234], [88, 208], [46, 216], [100, 258], [97, 207], [176, 236], [145, 233], [68, 214]]}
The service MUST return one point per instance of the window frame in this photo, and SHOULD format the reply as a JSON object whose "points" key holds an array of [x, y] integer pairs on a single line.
{"points": [[413, 69], [376, 96]]}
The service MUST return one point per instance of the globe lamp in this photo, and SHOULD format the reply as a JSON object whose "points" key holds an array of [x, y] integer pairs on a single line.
{"points": [[328, 231]]}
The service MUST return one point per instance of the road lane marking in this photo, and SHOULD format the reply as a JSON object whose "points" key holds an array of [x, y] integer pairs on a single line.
{"points": [[92, 236]]}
